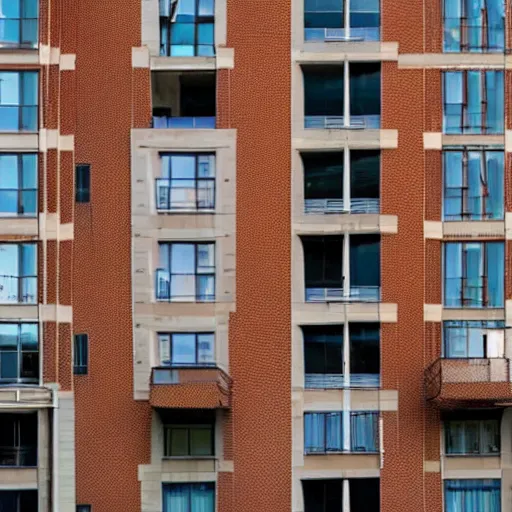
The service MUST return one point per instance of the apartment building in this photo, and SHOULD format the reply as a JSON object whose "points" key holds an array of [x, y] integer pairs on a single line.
{"points": [[255, 256]]}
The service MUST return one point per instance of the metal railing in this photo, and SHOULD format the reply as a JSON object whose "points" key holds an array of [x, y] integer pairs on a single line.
{"points": [[368, 122], [464, 371], [328, 206], [183, 122], [18, 290], [355, 294], [19, 32], [170, 198], [339, 381], [18, 118], [18, 456], [458, 120], [335, 35], [471, 35]]}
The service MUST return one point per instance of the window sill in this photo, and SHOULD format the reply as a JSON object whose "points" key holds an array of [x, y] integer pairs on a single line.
{"points": [[2, 466], [189, 457], [339, 453], [186, 212], [471, 455]]}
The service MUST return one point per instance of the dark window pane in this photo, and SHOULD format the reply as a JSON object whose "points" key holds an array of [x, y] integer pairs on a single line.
{"points": [[9, 365], [364, 174], [30, 365], [201, 442], [364, 89], [364, 348], [179, 442], [365, 494], [323, 175], [364, 260], [323, 90], [83, 183], [323, 19]]}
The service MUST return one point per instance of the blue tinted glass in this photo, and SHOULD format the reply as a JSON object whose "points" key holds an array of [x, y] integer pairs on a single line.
{"points": [[29, 259], [183, 259], [182, 51], [29, 171], [205, 50], [366, 19], [323, 20], [205, 33], [29, 335], [10, 8], [8, 365], [206, 7], [183, 34]]}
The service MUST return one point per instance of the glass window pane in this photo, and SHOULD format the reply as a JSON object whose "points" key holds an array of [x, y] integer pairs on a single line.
{"points": [[183, 34], [205, 258], [365, 261], [364, 348], [183, 349], [183, 288], [454, 433], [183, 167], [9, 171], [205, 288], [29, 365], [205, 348], [333, 434], [201, 442], [495, 273], [29, 260], [9, 365], [455, 342], [206, 166], [10, 88], [8, 336], [29, 175], [490, 436], [314, 432], [179, 442], [495, 186], [29, 96], [205, 33], [183, 258], [206, 7]]}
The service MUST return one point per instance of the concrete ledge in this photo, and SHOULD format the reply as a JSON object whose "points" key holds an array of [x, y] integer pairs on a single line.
{"points": [[320, 52], [16, 141], [225, 58], [452, 60], [477, 140], [48, 55], [508, 141], [353, 223], [432, 312], [470, 229], [339, 139], [23, 226], [21, 57], [433, 229], [471, 463], [355, 399], [456, 474], [67, 62], [182, 63], [473, 314], [18, 478], [56, 313], [431, 466], [432, 140], [336, 313], [140, 57], [19, 312]]}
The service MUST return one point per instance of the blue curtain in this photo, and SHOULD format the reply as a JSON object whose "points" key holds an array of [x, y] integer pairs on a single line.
{"points": [[495, 101], [495, 274], [472, 496], [314, 433], [197, 497], [364, 431], [495, 186], [176, 498], [453, 274], [202, 498], [333, 433]]}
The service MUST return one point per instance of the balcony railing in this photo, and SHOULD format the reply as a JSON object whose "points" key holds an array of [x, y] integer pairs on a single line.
{"points": [[466, 35], [328, 206], [171, 198], [339, 381], [19, 33], [337, 122], [19, 456], [468, 380], [474, 292], [355, 294], [18, 290], [335, 35], [18, 118], [179, 123]]}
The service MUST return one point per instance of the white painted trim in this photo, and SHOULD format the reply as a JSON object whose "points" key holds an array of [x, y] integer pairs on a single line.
{"points": [[67, 62]]}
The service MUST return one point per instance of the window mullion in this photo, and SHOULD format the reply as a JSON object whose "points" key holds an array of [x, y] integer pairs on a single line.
{"points": [[465, 188], [484, 189], [346, 94], [20, 182], [347, 198]]}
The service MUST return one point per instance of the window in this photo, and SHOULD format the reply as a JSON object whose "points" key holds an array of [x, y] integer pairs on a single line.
{"points": [[186, 348], [327, 364], [469, 495], [189, 440], [187, 28], [474, 339], [474, 274], [325, 432], [18, 23], [473, 102], [18, 439], [187, 272], [83, 183], [188, 183], [18, 501], [331, 20], [326, 277], [18, 281], [199, 497], [81, 354], [474, 26], [478, 437], [18, 184], [338, 182], [473, 184], [83, 508], [327, 87], [326, 495], [18, 101], [19, 353]]}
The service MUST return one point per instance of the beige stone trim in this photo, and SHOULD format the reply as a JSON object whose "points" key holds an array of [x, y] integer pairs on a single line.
{"points": [[508, 141], [26, 226], [305, 474], [67, 142], [304, 140], [18, 478], [471, 463], [341, 462], [335, 313], [433, 229], [67, 62], [226, 466], [66, 451], [432, 312], [140, 57], [183, 63], [22, 57], [19, 312], [456, 474], [474, 229], [432, 140], [50, 229], [14, 141], [432, 466], [25, 398], [451, 60], [352, 223], [508, 225], [48, 55], [56, 313], [322, 52], [225, 58], [473, 314], [333, 400], [477, 140]]}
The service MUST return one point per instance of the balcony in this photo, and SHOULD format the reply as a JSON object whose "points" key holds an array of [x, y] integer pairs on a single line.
{"points": [[190, 387], [466, 383], [183, 100], [342, 97]]}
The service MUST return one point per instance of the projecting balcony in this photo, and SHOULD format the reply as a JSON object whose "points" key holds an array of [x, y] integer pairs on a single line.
{"points": [[190, 387], [355, 206], [183, 100], [463, 383], [355, 122]]}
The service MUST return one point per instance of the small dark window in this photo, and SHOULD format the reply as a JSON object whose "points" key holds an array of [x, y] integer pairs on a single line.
{"points": [[81, 354], [83, 508], [83, 183]]}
